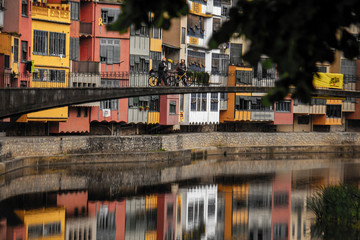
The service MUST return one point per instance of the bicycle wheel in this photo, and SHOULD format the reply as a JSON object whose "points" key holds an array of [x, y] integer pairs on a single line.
{"points": [[189, 81], [171, 80], [153, 80]]}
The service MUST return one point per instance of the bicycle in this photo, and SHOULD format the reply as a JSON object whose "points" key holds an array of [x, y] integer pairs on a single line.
{"points": [[153, 78], [185, 79]]}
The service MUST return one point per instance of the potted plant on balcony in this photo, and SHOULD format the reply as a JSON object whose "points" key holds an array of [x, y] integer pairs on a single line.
{"points": [[141, 108], [146, 108]]}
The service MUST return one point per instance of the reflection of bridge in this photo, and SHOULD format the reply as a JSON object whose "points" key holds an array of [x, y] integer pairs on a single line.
{"points": [[16, 101]]}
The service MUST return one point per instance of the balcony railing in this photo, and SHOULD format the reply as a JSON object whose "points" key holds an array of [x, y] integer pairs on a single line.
{"points": [[86, 28]]}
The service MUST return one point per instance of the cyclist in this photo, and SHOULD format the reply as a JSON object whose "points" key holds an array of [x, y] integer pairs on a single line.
{"points": [[162, 69], [181, 69]]}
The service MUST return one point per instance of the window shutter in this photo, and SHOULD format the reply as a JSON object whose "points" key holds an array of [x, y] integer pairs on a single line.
{"points": [[109, 54], [102, 50], [117, 53]]}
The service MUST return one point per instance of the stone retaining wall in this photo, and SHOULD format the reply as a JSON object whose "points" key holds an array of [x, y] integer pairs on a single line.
{"points": [[49, 146]]}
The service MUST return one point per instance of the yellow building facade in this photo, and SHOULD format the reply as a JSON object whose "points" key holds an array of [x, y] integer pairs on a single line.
{"points": [[50, 55], [44, 223]]}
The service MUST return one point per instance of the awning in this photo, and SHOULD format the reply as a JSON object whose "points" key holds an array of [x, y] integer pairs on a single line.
{"points": [[170, 46]]}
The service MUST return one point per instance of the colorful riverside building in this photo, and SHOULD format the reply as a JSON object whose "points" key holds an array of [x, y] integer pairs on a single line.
{"points": [[49, 48], [15, 42], [203, 19]]}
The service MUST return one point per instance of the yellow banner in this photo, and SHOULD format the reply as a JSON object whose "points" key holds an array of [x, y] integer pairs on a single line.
{"points": [[329, 80], [181, 116], [193, 40]]}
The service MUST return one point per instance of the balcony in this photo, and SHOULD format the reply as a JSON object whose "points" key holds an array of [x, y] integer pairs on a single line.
{"points": [[51, 13], [85, 29]]}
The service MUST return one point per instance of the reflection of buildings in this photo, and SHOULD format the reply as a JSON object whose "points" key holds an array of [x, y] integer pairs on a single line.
{"points": [[281, 206], [78, 224], [300, 223], [178, 228], [199, 207], [110, 219], [166, 216], [232, 212], [259, 202], [45, 223], [151, 217], [135, 220]]}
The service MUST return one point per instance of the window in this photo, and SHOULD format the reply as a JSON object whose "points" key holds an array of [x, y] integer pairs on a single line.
{"points": [[110, 51], [157, 34], [78, 112], [223, 96], [16, 50], [155, 104], [321, 69], [6, 61], [183, 35], [156, 59], [318, 101], [40, 75], [303, 120], [57, 44], [172, 107], [235, 53], [86, 110], [216, 24], [56, 75], [283, 106], [24, 51], [52, 229], [198, 102], [243, 77], [112, 104], [142, 32], [195, 26], [181, 102], [74, 49], [35, 231], [219, 64], [109, 15], [75, 11], [193, 102], [139, 63], [333, 111], [214, 102], [196, 61], [24, 8], [40, 42], [250, 104]]}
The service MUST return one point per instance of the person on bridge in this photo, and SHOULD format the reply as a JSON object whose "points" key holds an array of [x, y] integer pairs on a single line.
{"points": [[162, 69], [181, 69]]}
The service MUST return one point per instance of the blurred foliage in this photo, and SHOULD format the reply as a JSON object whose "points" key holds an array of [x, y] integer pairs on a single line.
{"points": [[337, 211], [137, 12], [295, 35]]}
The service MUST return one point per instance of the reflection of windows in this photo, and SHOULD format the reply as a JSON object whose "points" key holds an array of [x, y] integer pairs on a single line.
{"points": [[172, 107], [35, 231], [57, 44], [191, 212], [23, 51], [56, 75], [169, 210], [333, 111], [214, 102], [52, 229], [24, 8], [75, 11], [40, 75], [16, 50], [211, 207], [40, 42], [110, 51], [283, 106], [281, 199], [109, 15], [280, 231]]}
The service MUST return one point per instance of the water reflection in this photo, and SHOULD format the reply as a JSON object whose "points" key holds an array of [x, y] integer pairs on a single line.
{"points": [[245, 206]]}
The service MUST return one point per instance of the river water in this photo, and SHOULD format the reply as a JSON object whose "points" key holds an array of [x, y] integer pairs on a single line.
{"points": [[247, 196]]}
